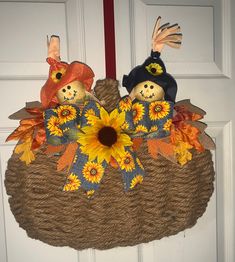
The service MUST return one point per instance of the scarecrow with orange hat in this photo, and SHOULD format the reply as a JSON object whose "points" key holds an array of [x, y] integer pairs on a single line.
{"points": [[62, 98], [64, 95]]}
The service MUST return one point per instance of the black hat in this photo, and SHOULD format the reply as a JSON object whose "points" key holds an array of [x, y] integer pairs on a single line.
{"points": [[153, 69]]}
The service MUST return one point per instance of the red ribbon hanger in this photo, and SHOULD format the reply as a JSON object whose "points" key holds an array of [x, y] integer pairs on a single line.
{"points": [[109, 36]]}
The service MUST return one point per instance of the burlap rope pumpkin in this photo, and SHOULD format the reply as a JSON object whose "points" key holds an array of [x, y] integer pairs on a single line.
{"points": [[170, 199]]}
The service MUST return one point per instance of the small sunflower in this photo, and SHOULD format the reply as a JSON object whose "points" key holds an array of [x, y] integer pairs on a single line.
{"points": [[139, 163], [73, 183], [154, 69], [53, 126], [138, 112], [153, 128], [141, 128], [125, 104], [75, 159], [127, 162], [125, 126], [66, 113], [56, 75], [90, 112], [136, 180], [93, 172], [167, 125], [90, 193], [159, 110]]}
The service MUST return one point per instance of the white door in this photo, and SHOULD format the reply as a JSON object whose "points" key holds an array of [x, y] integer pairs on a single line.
{"points": [[204, 72]]}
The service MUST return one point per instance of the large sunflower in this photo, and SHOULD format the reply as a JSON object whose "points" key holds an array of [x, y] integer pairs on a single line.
{"points": [[104, 138], [93, 172], [159, 110], [138, 112], [66, 113], [53, 126]]}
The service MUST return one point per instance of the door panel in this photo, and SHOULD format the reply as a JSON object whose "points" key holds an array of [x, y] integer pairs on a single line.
{"points": [[203, 69], [24, 26]]}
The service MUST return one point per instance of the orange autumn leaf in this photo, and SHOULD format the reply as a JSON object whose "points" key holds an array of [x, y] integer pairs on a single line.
{"points": [[66, 159], [113, 163], [185, 132], [54, 149], [137, 141], [196, 117], [39, 137], [160, 146], [24, 130]]}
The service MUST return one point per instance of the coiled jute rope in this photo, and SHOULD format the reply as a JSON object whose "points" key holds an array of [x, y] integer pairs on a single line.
{"points": [[170, 199]]}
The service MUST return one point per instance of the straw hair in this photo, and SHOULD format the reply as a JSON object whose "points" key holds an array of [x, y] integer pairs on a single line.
{"points": [[170, 199]]}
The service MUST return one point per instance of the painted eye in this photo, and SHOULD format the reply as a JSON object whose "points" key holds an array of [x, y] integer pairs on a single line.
{"points": [[58, 75], [151, 87], [68, 87], [64, 90], [145, 86]]}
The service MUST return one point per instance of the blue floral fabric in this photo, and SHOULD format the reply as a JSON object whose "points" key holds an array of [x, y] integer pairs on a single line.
{"points": [[152, 119], [84, 173], [58, 121]]}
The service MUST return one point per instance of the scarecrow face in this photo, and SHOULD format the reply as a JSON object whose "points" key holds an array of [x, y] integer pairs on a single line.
{"points": [[148, 91], [71, 93]]}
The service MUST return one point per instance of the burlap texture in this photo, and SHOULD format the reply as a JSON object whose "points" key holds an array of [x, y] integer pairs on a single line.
{"points": [[170, 199]]}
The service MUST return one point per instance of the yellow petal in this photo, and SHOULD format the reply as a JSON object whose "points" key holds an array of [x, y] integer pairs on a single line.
{"points": [[104, 115], [114, 114]]}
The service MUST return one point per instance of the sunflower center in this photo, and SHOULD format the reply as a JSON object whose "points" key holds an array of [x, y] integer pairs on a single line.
{"points": [[65, 112], [158, 108], [127, 160], [153, 70], [93, 172], [107, 136]]}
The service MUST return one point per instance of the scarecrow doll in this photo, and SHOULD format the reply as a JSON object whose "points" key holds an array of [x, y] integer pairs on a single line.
{"points": [[169, 129], [151, 88], [64, 95]]}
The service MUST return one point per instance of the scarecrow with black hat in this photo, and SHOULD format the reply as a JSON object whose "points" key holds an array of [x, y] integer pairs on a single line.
{"points": [[152, 89]]}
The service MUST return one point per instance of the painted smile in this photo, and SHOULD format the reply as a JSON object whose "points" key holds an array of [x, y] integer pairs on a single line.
{"points": [[142, 93], [71, 98]]}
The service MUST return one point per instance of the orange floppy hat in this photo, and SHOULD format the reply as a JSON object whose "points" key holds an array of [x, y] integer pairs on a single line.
{"points": [[61, 74]]}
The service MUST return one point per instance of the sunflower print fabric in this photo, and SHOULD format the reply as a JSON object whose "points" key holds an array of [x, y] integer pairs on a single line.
{"points": [[125, 105], [58, 121], [91, 108], [88, 173], [103, 138], [152, 119]]}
